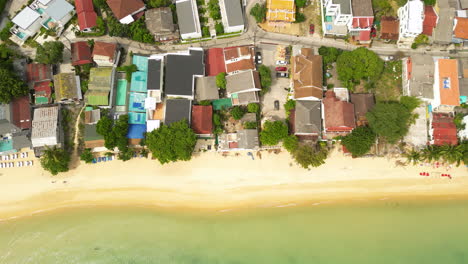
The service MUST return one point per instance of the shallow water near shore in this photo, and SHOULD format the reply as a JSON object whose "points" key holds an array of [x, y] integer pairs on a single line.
{"points": [[383, 231]]}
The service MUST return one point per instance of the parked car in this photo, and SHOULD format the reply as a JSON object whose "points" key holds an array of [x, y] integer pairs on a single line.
{"points": [[312, 29], [258, 57], [281, 62], [282, 74], [281, 69], [277, 105]]}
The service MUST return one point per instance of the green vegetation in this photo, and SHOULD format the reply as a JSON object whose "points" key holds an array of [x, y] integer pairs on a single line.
{"points": [[291, 143], [410, 102], [359, 64], [205, 31], [213, 9], [158, 3], [221, 80], [446, 153], [218, 118], [301, 3], [273, 132], [237, 112], [329, 55], [87, 156], [5, 33], [253, 108], [219, 28], [250, 125], [115, 135], [172, 143], [265, 78], [205, 102], [55, 160], [382, 8], [388, 86], [101, 4], [429, 2], [11, 86], [300, 17], [136, 31], [309, 156], [50, 53], [258, 12], [288, 106], [458, 120], [128, 69], [420, 40], [360, 141], [390, 120]]}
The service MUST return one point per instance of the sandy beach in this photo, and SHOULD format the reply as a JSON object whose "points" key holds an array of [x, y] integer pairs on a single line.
{"points": [[211, 181]]}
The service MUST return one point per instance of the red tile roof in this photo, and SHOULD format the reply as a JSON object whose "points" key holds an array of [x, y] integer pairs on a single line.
{"points": [[430, 20], [389, 28], [363, 22], [202, 119], [243, 57], [215, 62], [364, 35], [339, 115], [86, 15], [445, 131], [37, 72], [461, 29], [81, 53], [123, 8], [104, 49], [21, 112], [43, 88]]}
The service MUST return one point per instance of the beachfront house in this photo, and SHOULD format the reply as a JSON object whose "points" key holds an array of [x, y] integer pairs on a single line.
{"points": [[307, 75], [446, 86], [363, 103], [339, 115], [443, 130], [189, 21], [12, 137], [153, 101], [231, 15], [411, 17], [127, 11], [337, 16], [105, 54], [160, 23], [177, 110], [245, 139], [49, 14], [180, 73], [39, 77], [45, 128], [307, 120], [87, 17], [243, 87], [67, 88], [81, 53], [202, 120], [282, 11]]}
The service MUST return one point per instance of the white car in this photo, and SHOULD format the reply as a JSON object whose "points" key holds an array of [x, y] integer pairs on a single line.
{"points": [[280, 62]]}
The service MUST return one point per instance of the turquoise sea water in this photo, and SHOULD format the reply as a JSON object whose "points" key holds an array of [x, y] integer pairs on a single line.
{"points": [[358, 233]]}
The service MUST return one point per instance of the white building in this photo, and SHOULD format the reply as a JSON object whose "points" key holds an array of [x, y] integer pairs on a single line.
{"points": [[50, 14], [337, 16], [189, 21], [45, 127], [231, 15], [411, 17]]}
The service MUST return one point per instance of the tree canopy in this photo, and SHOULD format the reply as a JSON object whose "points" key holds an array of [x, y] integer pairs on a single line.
{"points": [[309, 156], [329, 54], [158, 3], [360, 141], [50, 53], [172, 143], [258, 11], [273, 132], [253, 108], [11, 86], [237, 112], [55, 160], [291, 143], [359, 64], [301, 3], [221, 80], [265, 78], [115, 135], [389, 120], [87, 156]]}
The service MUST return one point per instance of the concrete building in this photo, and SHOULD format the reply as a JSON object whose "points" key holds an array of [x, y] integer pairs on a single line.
{"points": [[45, 127], [189, 21], [411, 17], [231, 15], [337, 16]]}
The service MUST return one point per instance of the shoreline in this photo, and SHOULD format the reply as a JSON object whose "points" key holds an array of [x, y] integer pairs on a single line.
{"points": [[215, 183]]}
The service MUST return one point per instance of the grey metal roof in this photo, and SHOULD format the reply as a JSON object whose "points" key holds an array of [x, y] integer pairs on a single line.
{"points": [[242, 81], [308, 117], [248, 139], [443, 32], [186, 16], [154, 75], [206, 88], [464, 87], [463, 4], [180, 71], [234, 12], [177, 109], [159, 20], [21, 140], [58, 9], [362, 8], [422, 76], [345, 6], [247, 98], [6, 127]]}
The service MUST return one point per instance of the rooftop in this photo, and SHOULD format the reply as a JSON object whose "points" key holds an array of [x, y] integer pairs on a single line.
{"points": [[25, 18], [21, 111], [421, 76], [281, 10], [81, 53], [155, 71], [233, 12], [202, 119], [339, 115], [206, 88], [123, 8], [389, 28], [248, 139], [461, 28], [430, 20], [58, 9], [415, 16], [362, 8], [181, 70], [38, 72], [308, 117], [187, 14], [159, 20], [239, 82], [448, 82], [104, 49], [100, 79], [345, 6], [215, 61], [443, 32], [444, 130], [177, 109], [44, 125], [65, 85], [87, 17], [363, 103], [307, 75]]}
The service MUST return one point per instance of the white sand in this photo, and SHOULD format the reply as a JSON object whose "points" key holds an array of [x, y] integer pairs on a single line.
{"points": [[213, 181]]}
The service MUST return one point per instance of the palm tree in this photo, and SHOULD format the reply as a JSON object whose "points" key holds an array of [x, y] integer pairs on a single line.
{"points": [[452, 154], [431, 153], [413, 156]]}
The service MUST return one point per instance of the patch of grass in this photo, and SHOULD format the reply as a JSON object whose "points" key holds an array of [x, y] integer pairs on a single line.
{"points": [[388, 86]]}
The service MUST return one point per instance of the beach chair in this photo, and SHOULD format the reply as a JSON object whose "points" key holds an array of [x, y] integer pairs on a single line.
{"points": [[99, 159], [104, 159]]}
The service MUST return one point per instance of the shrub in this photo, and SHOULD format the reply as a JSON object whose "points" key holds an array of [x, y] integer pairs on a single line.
{"points": [[237, 112], [253, 108], [250, 125], [219, 28], [221, 80], [258, 12], [273, 132]]}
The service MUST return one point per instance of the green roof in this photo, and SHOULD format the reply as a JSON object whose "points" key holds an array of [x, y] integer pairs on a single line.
{"points": [[221, 103], [41, 100], [97, 98], [100, 79]]}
